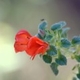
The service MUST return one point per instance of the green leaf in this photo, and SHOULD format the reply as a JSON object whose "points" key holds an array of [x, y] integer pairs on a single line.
{"points": [[61, 60], [42, 29], [77, 57], [42, 33], [74, 78], [58, 26], [78, 75], [48, 38], [47, 58], [65, 43], [42, 25], [52, 50], [39, 36], [76, 66], [63, 23], [64, 32], [54, 68], [76, 40], [79, 69]]}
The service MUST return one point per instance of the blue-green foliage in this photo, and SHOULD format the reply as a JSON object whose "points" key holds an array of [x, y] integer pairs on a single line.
{"points": [[64, 32], [52, 50], [76, 40], [42, 25], [54, 68], [39, 36], [77, 57], [78, 76], [74, 78], [48, 37], [61, 60], [65, 43], [42, 29], [58, 26], [57, 38], [47, 58]]}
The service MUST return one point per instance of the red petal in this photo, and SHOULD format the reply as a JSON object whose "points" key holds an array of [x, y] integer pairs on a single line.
{"points": [[19, 47], [22, 38], [36, 46], [22, 34]]}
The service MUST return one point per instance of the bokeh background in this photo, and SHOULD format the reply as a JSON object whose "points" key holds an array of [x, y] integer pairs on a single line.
{"points": [[26, 14]]}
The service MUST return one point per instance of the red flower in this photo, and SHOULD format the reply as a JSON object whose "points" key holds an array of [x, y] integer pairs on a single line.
{"points": [[31, 44], [36, 46], [21, 40]]}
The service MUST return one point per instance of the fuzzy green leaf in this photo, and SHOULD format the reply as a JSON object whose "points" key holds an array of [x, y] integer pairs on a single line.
{"points": [[58, 26], [54, 68], [76, 66], [41, 29], [61, 60], [65, 43], [78, 75], [39, 36], [52, 50], [64, 32], [74, 78], [48, 38], [42, 25], [47, 58], [77, 57], [76, 40]]}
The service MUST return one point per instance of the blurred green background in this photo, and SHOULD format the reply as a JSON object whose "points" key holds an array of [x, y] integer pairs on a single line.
{"points": [[26, 14]]}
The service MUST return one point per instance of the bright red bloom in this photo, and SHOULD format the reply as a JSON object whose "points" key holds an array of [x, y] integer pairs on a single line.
{"points": [[21, 40], [31, 44], [36, 46]]}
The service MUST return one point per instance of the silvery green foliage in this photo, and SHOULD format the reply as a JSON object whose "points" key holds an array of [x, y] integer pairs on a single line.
{"points": [[64, 32], [42, 25], [54, 68], [76, 40], [42, 29], [58, 26], [52, 50], [59, 46], [65, 43]]}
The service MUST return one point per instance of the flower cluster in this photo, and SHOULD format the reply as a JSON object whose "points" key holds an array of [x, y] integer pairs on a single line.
{"points": [[32, 45], [52, 45]]}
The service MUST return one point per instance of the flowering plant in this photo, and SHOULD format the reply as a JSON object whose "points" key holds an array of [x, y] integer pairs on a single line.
{"points": [[52, 45]]}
